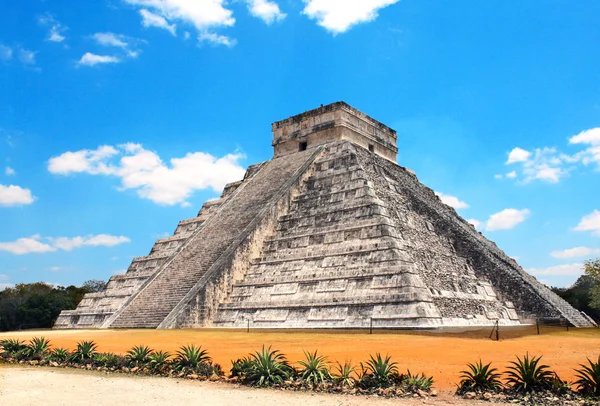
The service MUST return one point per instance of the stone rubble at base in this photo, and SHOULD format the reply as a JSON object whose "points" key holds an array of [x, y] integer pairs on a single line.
{"points": [[330, 233]]}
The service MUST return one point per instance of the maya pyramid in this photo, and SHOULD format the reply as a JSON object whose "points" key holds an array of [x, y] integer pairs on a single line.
{"points": [[329, 233]]}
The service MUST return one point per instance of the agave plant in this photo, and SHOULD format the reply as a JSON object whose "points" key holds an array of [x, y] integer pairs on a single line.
{"points": [[381, 369], [59, 355], [527, 374], [314, 368], [479, 377], [158, 359], [414, 383], [109, 360], [588, 378], [85, 351], [11, 347], [241, 366], [344, 374], [38, 347], [269, 367], [139, 355], [191, 357]]}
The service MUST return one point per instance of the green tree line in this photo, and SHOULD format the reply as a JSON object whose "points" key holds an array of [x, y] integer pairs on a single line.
{"points": [[584, 295]]}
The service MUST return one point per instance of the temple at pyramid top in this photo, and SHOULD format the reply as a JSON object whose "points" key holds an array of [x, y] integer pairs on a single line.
{"points": [[333, 122]]}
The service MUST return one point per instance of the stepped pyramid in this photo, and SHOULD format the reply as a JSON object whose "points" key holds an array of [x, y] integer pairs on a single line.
{"points": [[330, 233]]}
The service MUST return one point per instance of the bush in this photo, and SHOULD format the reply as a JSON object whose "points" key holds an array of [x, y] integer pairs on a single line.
{"points": [[37, 348], [269, 367], [13, 348], [85, 351], [479, 377], [314, 368], [344, 373], [527, 375], [59, 355], [241, 366], [378, 372], [414, 383], [158, 360], [588, 381], [109, 360], [139, 355], [190, 357]]}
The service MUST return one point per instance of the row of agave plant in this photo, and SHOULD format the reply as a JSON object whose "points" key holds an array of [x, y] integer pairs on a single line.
{"points": [[528, 374]]}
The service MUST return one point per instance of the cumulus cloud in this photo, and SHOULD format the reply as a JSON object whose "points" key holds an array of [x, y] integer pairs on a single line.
{"points": [[8, 171], [590, 222], [205, 16], [591, 137], [26, 56], [111, 39], [6, 53], [216, 39], [266, 10], [337, 16], [577, 252], [511, 175], [12, 195], [90, 59], [506, 219], [575, 269], [145, 172], [38, 244], [452, 201], [518, 155], [55, 28], [150, 19]]}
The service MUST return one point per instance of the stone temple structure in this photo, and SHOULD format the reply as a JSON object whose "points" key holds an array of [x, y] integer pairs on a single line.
{"points": [[330, 233]]}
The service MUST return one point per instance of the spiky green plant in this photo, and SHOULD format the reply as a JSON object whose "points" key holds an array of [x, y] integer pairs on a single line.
{"points": [[139, 355], [109, 360], [269, 367], [59, 355], [528, 374], [414, 383], [190, 357], [588, 378], [343, 376], [85, 351], [381, 369], [479, 377], [314, 368], [38, 347], [240, 366], [158, 359], [11, 347]]}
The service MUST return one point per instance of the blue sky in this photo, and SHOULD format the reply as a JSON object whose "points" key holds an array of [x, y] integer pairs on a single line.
{"points": [[118, 118]]}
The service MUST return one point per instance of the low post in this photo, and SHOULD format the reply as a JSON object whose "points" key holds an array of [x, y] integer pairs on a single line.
{"points": [[248, 326], [371, 326], [498, 330], [537, 324]]}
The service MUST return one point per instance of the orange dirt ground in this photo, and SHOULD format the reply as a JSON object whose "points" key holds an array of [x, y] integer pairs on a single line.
{"points": [[441, 355]]}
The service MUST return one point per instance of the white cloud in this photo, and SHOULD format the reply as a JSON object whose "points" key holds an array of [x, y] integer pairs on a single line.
{"points": [[110, 39], [338, 16], [150, 19], [452, 201], [517, 155], [498, 176], [266, 10], [26, 56], [8, 171], [12, 195], [205, 15], [577, 252], [591, 137], [506, 219], [216, 39], [511, 175], [591, 222], [476, 223], [56, 28], [145, 172], [55, 268], [90, 59], [186, 35], [6, 53], [39, 244], [558, 270]]}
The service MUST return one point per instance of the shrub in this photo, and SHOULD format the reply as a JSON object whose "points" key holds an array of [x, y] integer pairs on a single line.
{"points": [[13, 348], [85, 351], [38, 347], [378, 371], [59, 355], [314, 368], [344, 373], [269, 367], [109, 360], [588, 378], [139, 355], [241, 366], [158, 360], [190, 357], [527, 374], [479, 377], [414, 383]]}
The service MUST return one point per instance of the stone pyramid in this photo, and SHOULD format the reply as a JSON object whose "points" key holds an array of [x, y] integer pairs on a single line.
{"points": [[330, 233]]}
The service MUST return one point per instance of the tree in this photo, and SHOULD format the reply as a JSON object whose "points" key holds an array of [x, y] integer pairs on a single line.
{"points": [[592, 270], [94, 285]]}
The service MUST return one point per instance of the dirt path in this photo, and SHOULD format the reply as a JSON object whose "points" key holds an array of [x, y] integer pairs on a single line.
{"points": [[53, 386]]}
